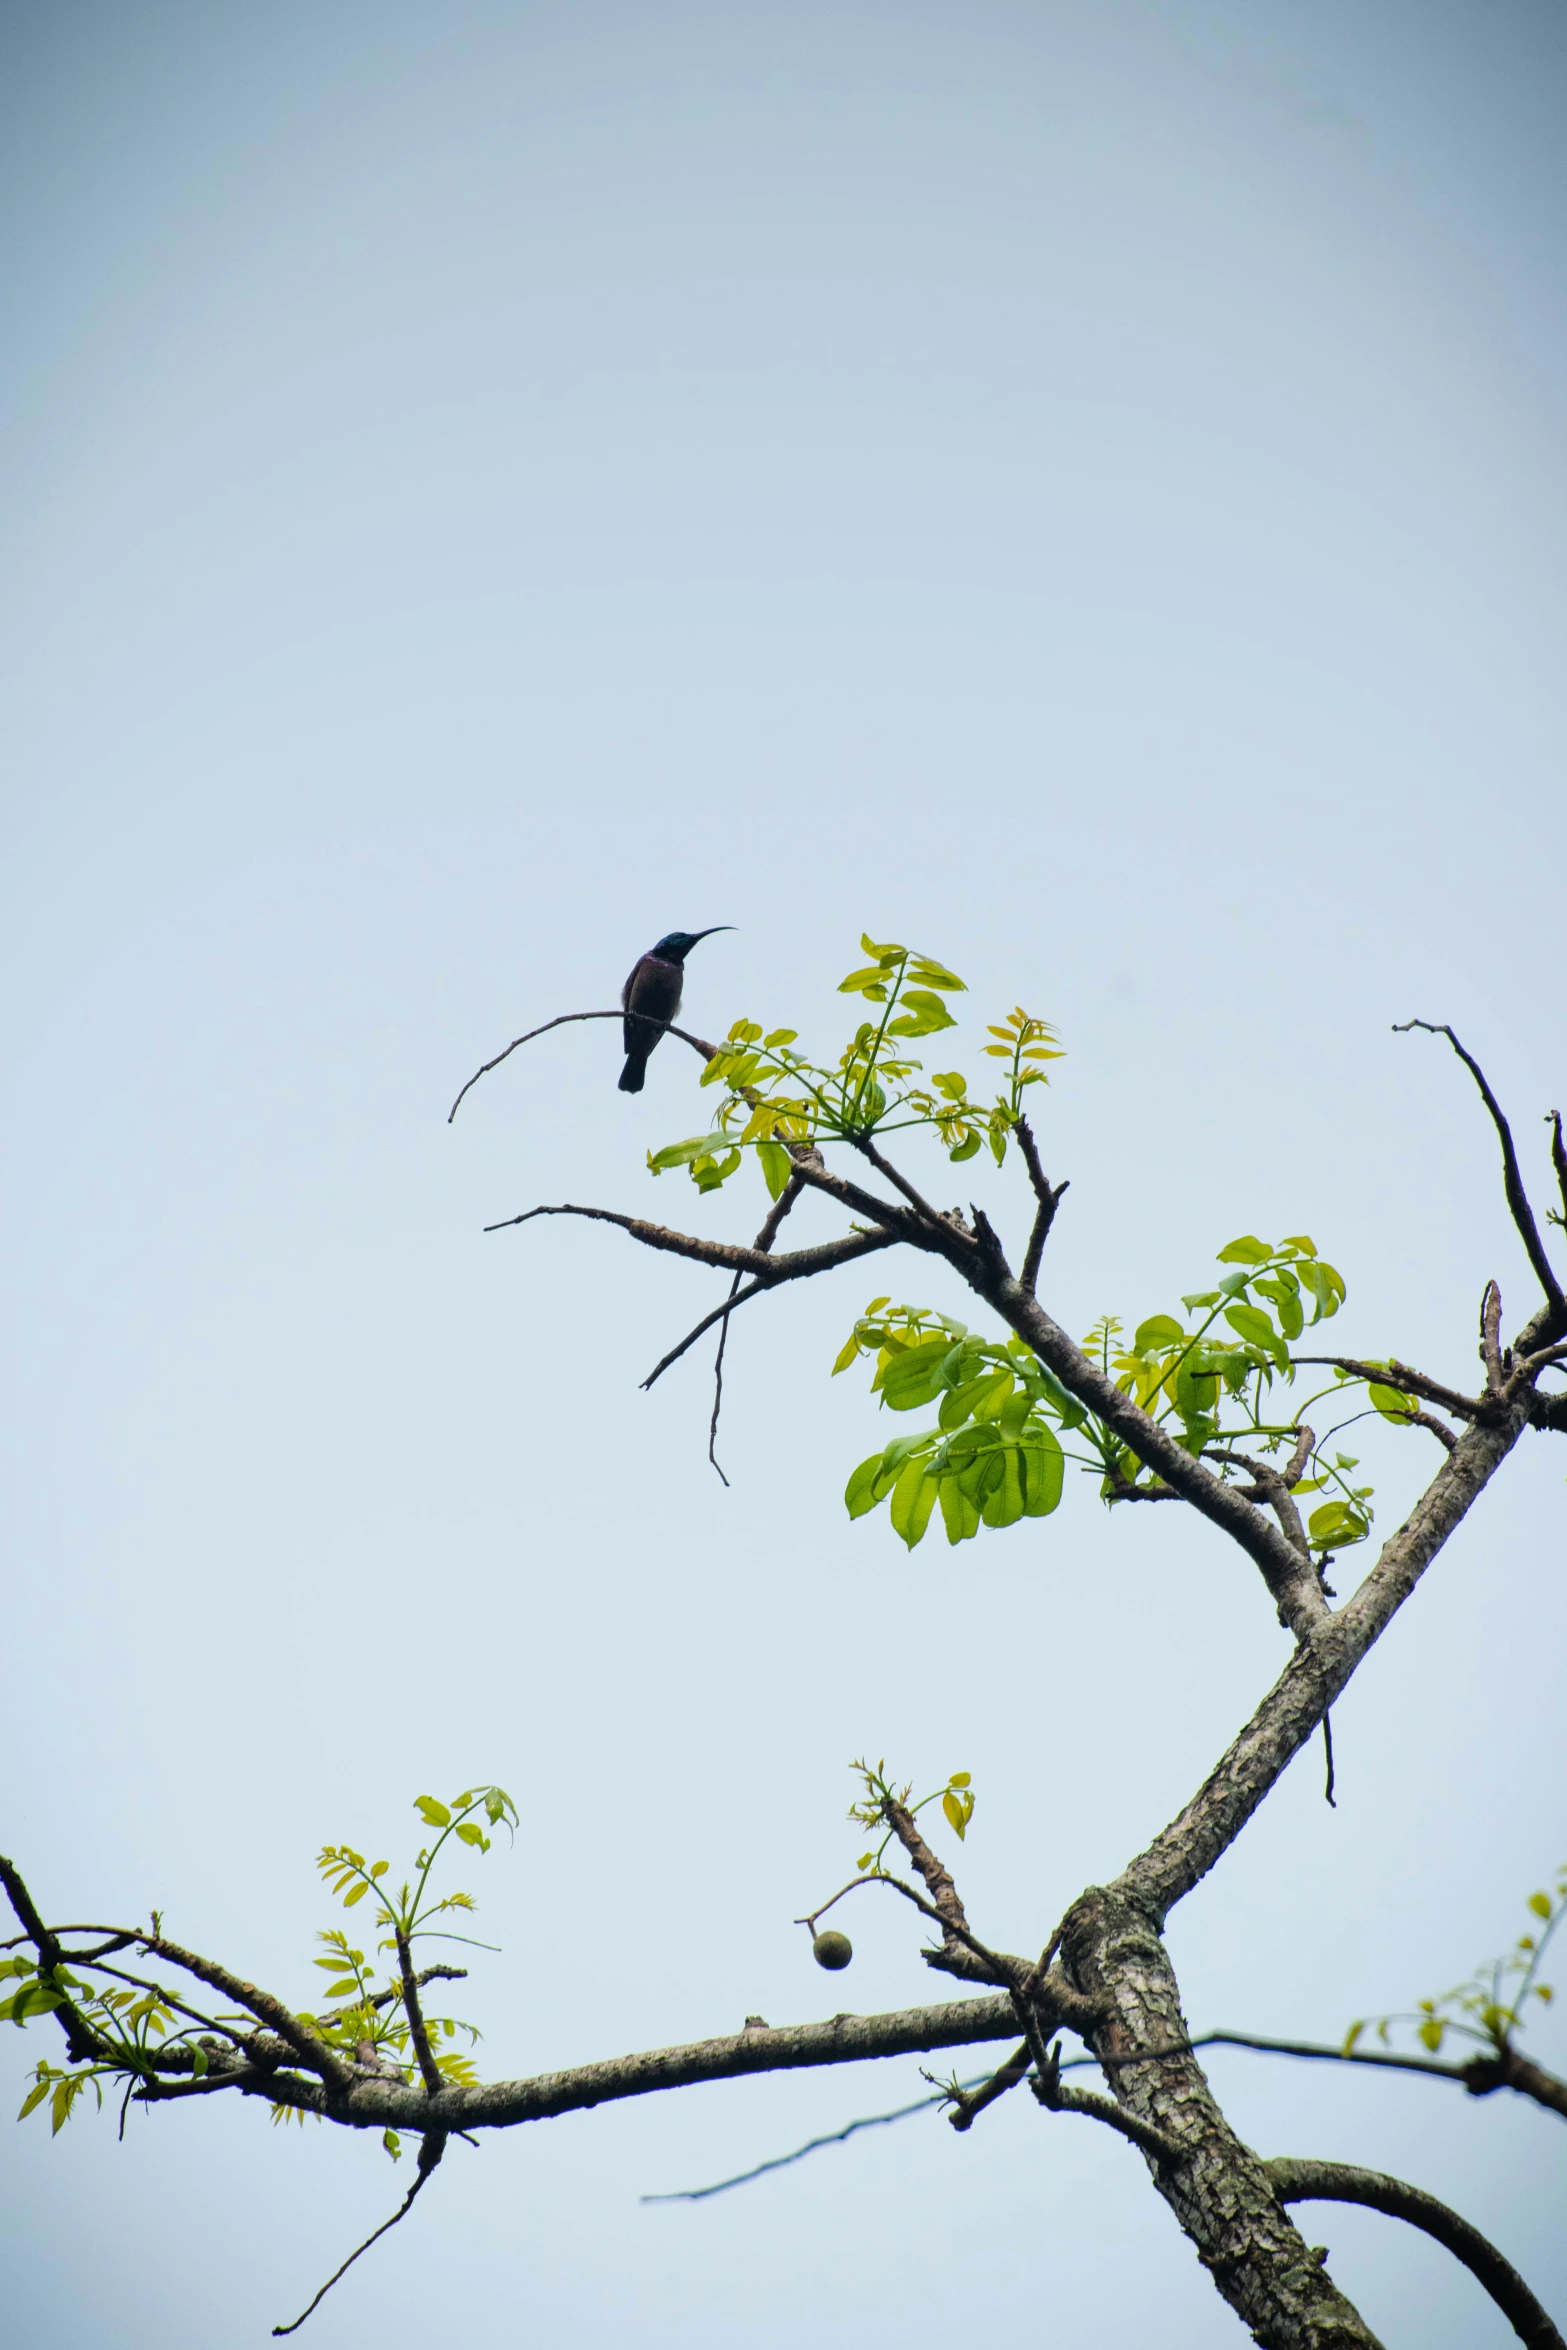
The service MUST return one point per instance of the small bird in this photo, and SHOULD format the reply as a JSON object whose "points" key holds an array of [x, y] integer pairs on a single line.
{"points": [[654, 989]]}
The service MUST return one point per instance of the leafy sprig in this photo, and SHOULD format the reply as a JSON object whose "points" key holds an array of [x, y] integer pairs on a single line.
{"points": [[1492, 2005], [775, 1096], [956, 1799], [996, 1454], [133, 2022]]}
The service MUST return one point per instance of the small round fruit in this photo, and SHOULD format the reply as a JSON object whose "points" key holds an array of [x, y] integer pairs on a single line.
{"points": [[832, 1950]]}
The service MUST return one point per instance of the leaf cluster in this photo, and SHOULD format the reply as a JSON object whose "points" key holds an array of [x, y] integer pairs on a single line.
{"points": [[996, 1454], [135, 2027], [776, 1097]]}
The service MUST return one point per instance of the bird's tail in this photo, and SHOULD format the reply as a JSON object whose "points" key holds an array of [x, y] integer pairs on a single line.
{"points": [[633, 1073]]}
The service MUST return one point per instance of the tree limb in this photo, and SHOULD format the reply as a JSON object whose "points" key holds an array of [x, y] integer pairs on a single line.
{"points": [[1342, 2182], [1181, 1856], [1049, 1200], [1512, 1182], [858, 1244]]}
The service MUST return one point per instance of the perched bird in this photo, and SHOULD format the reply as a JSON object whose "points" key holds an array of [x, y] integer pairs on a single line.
{"points": [[654, 989]]}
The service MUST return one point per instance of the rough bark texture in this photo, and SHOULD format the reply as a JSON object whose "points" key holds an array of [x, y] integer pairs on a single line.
{"points": [[1221, 2192], [1344, 2182]]}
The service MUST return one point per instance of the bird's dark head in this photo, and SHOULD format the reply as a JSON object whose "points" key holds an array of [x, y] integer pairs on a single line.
{"points": [[677, 944]]}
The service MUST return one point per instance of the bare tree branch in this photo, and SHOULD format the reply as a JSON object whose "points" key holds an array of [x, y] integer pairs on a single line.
{"points": [[564, 1020], [1049, 1200], [858, 1244], [1342, 2182], [1517, 1198], [1399, 1375], [798, 1264], [791, 1191], [432, 2147]]}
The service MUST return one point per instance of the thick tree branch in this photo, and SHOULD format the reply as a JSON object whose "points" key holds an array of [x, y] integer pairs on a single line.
{"points": [[1512, 1182], [1343, 2182], [1216, 2186], [1183, 1854], [1289, 1577]]}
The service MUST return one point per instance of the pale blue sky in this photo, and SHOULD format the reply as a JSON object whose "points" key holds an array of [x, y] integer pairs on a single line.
{"points": [[1080, 487]]}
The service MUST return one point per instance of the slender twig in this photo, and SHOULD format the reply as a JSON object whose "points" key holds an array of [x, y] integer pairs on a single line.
{"points": [[1156, 2143], [1559, 1159], [1327, 1745], [1512, 1182], [967, 2106], [1049, 1200], [1343, 2182], [431, 2148], [664, 1027], [870, 2121]]}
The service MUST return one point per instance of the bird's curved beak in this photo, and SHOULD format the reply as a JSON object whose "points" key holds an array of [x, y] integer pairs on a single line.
{"points": [[698, 935]]}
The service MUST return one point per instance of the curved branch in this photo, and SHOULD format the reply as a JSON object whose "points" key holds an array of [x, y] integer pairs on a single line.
{"points": [[563, 1020], [1512, 1182], [1343, 2182]]}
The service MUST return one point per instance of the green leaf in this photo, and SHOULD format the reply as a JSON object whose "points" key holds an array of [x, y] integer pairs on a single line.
{"points": [[1390, 1402], [934, 974], [1157, 1335], [1430, 2034], [776, 1165], [1248, 1250], [1301, 1242], [433, 1813], [1256, 1327], [958, 1512], [35, 2096], [886, 956], [862, 982], [967, 1148], [1540, 1903], [357, 1894], [920, 1014], [1350, 2037], [960, 1779], [1044, 1472], [1334, 1525], [913, 1498], [957, 1817]]}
